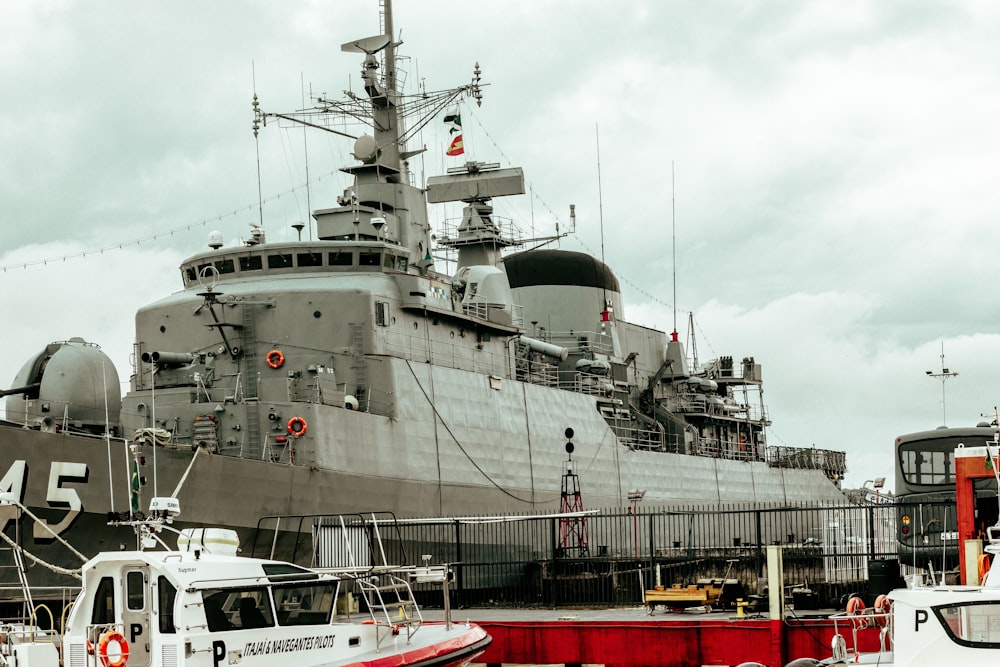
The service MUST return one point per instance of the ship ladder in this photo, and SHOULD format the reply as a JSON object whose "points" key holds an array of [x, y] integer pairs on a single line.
{"points": [[388, 592], [17, 563]]}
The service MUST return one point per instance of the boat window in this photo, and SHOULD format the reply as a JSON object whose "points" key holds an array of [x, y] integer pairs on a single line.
{"points": [[389, 261], [237, 608], [104, 602], [190, 274], [166, 593], [135, 591], [304, 604], [369, 258], [341, 258], [975, 624], [401, 264], [225, 266], [251, 263], [279, 261], [310, 258], [288, 572]]}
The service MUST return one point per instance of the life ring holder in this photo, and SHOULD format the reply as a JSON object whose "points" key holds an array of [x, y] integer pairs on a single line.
{"points": [[297, 426], [119, 655], [275, 358]]}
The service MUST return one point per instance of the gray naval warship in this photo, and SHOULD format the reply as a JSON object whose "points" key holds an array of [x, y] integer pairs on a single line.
{"points": [[347, 374]]}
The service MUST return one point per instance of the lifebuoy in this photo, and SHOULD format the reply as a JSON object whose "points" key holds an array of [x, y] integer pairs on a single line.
{"points": [[275, 358], [297, 426], [856, 608], [984, 568], [882, 606], [113, 649]]}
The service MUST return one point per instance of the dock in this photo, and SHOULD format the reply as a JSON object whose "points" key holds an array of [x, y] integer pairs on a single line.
{"points": [[630, 637]]}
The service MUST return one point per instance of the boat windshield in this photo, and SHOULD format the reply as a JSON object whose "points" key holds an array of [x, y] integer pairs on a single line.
{"points": [[304, 604], [974, 624], [237, 608]]}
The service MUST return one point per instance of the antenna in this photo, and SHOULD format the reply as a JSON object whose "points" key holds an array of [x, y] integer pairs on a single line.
{"points": [[600, 203], [305, 150], [673, 242], [256, 127], [943, 375]]}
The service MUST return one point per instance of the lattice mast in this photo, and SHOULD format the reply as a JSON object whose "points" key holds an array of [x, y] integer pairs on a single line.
{"points": [[573, 537]]}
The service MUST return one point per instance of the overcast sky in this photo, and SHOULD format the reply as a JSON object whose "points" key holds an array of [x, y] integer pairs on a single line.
{"points": [[835, 172]]}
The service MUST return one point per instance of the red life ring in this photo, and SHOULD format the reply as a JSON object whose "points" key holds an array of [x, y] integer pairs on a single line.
{"points": [[113, 649], [275, 358], [297, 426]]}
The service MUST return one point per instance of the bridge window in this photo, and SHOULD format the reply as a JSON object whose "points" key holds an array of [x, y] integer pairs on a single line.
{"points": [[341, 258], [309, 259], [251, 263], [225, 266], [279, 261], [369, 258]]}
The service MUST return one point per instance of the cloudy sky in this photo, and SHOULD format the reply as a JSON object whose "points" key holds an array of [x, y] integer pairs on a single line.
{"points": [[833, 192]]}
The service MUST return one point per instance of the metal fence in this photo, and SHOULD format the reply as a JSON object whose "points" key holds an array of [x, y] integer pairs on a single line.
{"points": [[609, 558]]}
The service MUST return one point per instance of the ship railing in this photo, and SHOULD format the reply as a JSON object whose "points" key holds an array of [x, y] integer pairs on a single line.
{"points": [[578, 342], [537, 372], [639, 438], [696, 402], [492, 312], [734, 450], [458, 355]]}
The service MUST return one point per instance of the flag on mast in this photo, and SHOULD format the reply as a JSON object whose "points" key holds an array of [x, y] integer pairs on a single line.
{"points": [[454, 120]]}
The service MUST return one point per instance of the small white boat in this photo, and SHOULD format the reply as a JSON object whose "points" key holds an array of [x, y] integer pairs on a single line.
{"points": [[924, 625], [203, 605]]}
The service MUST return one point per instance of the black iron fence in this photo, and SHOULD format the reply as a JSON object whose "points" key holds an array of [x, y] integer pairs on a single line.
{"points": [[611, 557]]}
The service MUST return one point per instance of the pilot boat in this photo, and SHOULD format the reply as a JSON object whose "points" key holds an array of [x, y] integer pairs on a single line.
{"points": [[202, 604]]}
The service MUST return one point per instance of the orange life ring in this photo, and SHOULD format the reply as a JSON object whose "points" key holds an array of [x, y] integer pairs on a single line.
{"points": [[856, 608], [984, 568], [275, 358], [297, 426], [882, 606], [113, 649]]}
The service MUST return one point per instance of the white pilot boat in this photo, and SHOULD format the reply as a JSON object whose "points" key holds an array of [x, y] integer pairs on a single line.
{"points": [[935, 624], [203, 605]]}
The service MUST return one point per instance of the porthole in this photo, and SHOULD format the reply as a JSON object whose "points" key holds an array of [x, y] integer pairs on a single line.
{"points": [[317, 314], [163, 329], [415, 325], [451, 333]]}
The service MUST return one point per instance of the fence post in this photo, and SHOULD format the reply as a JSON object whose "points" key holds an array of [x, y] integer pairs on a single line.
{"points": [[554, 575], [871, 532], [460, 577], [652, 547], [759, 556]]}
